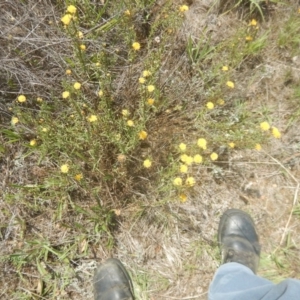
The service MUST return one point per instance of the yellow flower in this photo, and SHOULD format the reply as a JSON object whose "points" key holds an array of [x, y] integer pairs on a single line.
{"points": [[147, 163], [66, 19], [146, 73], [97, 64], [80, 34], [39, 99], [230, 84], [221, 102], [32, 142], [253, 22], [64, 168], [21, 98], [183, 197], [82, 47], [14, 120], [44, 129], [189, 160], [276, 133], [225, 68], [127, 12], [257, 147], [68, 72], [136, 46], [92, 118], [130, 123], [150, 101], [78, 177], [248, 38], [66, 94], [202, 143], [231, 145], [210, 105], [77, 86], [177, 181], [183, 168], [125, 112], [100, 93], [214, 156], [143, 135], [183, 8], [183, 157], [190, 181], [142, 80], [198, 159], [265, 126], [182, 147], [71, 9], [150, 88]]}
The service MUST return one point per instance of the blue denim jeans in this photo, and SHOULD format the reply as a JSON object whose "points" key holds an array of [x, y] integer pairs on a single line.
{"points": [[234, 281]]}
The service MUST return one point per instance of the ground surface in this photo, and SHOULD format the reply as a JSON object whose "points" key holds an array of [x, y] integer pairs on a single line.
{"points": [[168, 246]]}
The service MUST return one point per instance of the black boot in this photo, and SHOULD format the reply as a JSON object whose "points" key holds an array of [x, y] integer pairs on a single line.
{"points": [[112, 282], [238, 239]]}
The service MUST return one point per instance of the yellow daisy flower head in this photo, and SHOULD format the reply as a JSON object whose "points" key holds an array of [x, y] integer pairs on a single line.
{"points": [[71, 9], [150, 88], [177, 181], [231, 145], [65, 94], [79, 34], [190, 181], [32, 142], [82, 47], [276, 133], [130, 123], [257, 147], [265, 126], [127, 12], [214, 156], [221, 102], [182, 147], [146, 73], [68, 72], [44, 129], [189, 160], [182, 197], [150, 101], [230, 84], [253, 22], [210, 105], [183, 168], [77, 86], [183, 8], [78, 177], [125, 113], [64, 168], [14, 120], [39, 99], [147, 163], [92, 118], [198, 159], [21, 98], [225, 68], [66, 19], [183, 157], [202, 143], [142, 80], [248, 38], [136, 46], [100, 93], [143, 135]]}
